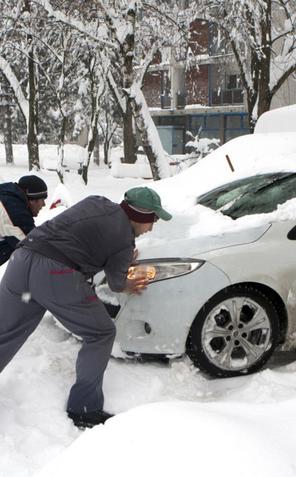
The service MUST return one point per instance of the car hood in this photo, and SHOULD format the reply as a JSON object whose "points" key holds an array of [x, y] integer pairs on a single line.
{"points": [[193, 247]]}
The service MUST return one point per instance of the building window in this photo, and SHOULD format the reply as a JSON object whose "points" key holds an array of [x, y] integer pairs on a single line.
{"points": [[171, 121], [233, 82], [236, 124], [233, 121], [206, 125], [165, 96], [212, 121], [218, 44], [221, 126], [196, 123]]}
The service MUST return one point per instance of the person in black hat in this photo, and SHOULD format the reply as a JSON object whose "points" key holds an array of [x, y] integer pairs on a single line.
{"points": [[19, 204]]}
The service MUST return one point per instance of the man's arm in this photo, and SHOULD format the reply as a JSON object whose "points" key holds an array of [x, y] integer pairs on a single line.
{"points": [[116, 270], [15, 224], [8, 229]]}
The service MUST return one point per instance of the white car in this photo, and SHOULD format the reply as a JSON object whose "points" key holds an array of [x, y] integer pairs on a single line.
{"points": [[227, 303]]}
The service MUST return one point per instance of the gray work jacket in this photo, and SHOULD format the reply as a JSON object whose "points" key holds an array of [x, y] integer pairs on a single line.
{"points": [[93, 235]]}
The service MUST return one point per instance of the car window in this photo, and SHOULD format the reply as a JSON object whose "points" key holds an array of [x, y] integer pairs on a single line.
{"points": [[228, 197], [226, 194], [264, 199], [252, 195]]}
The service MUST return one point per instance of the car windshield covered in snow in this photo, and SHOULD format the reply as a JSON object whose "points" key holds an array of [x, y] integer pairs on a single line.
{"points": [[252, 195]]}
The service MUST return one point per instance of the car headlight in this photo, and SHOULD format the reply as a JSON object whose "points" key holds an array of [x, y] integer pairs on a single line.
{"points": [[163, 269]]}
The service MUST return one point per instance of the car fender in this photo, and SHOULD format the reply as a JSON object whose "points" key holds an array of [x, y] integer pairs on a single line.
{"points": [[249, 265], [158, 321]]}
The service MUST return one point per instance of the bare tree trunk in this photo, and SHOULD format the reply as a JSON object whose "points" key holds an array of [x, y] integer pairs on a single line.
{"points": [[264, 92], [107, 127], [126, 59], [8, 135], [152, 158], [61, 148], [96, 153], [6, 111], [264, 99], [157, 157], [106, 152], [146, 143], [90, 145], [251, 101], [32, 141], [129, 140], [96, 95]]}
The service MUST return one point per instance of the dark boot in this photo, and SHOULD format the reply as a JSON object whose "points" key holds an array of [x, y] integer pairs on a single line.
{"points": [[89, 419]]}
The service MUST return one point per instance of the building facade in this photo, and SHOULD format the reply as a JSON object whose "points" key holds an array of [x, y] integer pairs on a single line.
{"points": [[196, 89]]}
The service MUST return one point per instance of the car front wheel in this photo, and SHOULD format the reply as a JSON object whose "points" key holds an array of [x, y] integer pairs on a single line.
{"points": [[234, 333]]}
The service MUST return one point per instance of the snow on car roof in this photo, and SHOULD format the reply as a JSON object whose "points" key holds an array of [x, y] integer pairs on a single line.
{"points": [[250, 154], [277, 120]]}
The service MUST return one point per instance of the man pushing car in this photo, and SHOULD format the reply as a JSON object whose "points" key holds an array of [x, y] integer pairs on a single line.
{"points": [[52, 266]]}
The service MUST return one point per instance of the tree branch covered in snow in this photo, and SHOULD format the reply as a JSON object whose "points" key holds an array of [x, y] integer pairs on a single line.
{"points": [[85, 29], [262, 37], [15, 85]]}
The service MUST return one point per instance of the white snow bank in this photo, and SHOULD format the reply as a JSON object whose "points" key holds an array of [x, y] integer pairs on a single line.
{"points": [[120, 170], [216, 439]]}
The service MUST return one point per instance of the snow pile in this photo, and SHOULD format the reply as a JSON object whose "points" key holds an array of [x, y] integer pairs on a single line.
{"points": [[141, 169], [147, 441]]}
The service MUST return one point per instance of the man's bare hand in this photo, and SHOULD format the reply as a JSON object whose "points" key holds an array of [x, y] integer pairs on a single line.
{"points": [[136, 285]]}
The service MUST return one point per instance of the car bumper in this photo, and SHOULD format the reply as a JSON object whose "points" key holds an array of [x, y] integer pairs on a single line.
{"points": [[159, 320]]}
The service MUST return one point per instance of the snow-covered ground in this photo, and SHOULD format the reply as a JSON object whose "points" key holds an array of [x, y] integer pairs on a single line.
{"points": [[170, 419]]}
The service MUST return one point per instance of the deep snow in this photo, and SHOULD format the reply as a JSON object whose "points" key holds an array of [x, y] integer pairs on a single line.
{"points": [[170, 419]]}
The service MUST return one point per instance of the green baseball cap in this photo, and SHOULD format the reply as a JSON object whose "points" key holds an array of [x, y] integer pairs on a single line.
{"points": [[148, 199]]}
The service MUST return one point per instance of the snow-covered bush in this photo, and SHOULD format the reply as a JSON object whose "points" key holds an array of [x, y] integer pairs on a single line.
{"points": [[197, 148]]}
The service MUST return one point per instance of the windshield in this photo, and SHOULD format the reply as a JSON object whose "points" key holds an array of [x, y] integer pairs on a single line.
{"points": [[252, 195]]}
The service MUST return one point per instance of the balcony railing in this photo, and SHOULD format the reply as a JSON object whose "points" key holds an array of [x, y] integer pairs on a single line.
{"points": [[217, 98], [166, 101], [227, 96]]}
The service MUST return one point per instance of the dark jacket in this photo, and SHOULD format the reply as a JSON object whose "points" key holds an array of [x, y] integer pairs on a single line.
{"points": [[16, 219], [93, 235]]}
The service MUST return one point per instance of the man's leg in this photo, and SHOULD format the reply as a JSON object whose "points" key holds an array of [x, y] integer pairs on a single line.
{"points": [[19, 315], [66, 294], [86, 394]]}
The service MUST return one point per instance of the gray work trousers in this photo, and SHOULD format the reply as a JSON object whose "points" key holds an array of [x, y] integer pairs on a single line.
{"points": [[33, 284]]}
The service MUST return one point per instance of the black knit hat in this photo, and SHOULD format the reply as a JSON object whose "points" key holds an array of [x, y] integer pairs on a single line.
{"points": [[33, 186]]}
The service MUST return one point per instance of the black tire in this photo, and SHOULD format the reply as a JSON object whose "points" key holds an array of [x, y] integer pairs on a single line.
{"points": [[235, 332]]}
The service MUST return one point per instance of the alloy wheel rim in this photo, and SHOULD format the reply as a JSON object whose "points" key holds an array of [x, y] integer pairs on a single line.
{"points": [[236, 334]]}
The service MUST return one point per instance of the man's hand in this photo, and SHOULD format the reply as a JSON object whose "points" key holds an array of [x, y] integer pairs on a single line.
{"points": [[136, 285]]}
